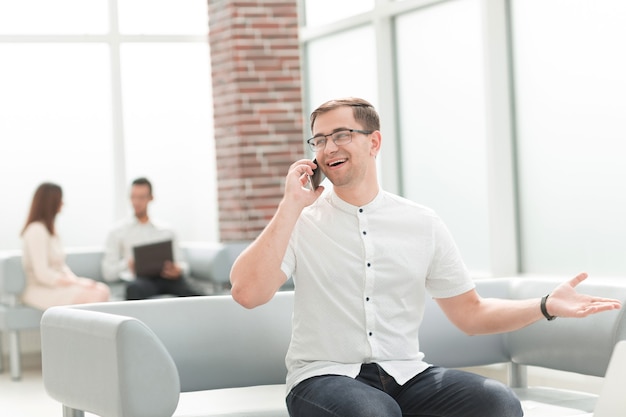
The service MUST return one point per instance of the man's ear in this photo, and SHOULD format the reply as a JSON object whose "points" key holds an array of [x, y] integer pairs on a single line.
{"points": [[375, 141]]}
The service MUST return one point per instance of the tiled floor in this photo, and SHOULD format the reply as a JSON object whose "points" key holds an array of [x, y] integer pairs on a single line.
{"points": [[27, 397]]}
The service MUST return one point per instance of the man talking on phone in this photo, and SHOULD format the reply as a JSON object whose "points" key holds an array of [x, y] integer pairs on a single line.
{"points": [[362, 260]]}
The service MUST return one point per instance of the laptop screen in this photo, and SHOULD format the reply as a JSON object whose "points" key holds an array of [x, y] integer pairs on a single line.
{"points": [[149, 258]]}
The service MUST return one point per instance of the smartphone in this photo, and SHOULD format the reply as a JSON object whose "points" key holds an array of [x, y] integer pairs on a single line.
{"points": [[317, 177]]}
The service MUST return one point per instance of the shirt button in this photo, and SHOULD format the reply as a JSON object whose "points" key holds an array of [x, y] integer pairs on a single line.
{"points": [[364, 232], [367, 298], [369, 264], [370, 333], [360, 210]]}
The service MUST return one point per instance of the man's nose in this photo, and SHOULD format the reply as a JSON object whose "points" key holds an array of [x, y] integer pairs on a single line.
{"points": [[331, 146]]}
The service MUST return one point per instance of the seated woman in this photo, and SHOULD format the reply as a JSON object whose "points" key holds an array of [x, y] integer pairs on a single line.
{"points": [[49, 281]]}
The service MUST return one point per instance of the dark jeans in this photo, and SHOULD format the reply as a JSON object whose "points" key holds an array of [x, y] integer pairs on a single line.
{"points": [[436, 392], [142, 288]]}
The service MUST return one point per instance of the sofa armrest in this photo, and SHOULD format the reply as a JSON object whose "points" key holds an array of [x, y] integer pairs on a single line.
{"points": [[12, 279], [91, 361], [573, 345]]}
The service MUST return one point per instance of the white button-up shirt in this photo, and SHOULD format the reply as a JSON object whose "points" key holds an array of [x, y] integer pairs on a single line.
{"points": [[361, 275], [129, 233]]}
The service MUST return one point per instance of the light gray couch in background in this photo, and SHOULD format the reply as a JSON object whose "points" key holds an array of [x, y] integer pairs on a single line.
{"points": [[209, 264], [208, 356]]}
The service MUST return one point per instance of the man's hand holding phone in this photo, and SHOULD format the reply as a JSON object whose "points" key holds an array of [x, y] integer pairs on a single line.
{"points": [[299, 191], [317, 176]]}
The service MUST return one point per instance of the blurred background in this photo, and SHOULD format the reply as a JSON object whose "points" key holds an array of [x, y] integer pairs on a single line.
{"points": [[506, 117]]}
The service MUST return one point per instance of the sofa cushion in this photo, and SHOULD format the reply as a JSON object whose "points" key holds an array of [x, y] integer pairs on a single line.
{"points": [[545, 401], [269, 401], [261, 401], [19, 317]]}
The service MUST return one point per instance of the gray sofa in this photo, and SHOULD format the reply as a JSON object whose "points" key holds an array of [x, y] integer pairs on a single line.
{"points": [[208, 356], [209, 265]]}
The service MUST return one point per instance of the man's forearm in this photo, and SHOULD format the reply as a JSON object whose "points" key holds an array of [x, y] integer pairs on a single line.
{"points": [[256, 274]]}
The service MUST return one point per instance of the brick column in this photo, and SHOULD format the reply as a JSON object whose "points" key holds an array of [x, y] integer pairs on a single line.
{"points": [[255, 60]]}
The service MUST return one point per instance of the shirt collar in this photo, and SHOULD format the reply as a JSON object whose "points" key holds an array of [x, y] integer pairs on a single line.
{"points": [[344, 206], [135, 220]]}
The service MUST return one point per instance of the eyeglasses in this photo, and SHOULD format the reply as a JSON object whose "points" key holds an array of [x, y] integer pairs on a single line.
{"points": [[339, 138]]}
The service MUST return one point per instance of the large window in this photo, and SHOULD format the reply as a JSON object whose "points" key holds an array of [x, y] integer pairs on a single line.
{"points": [[442, 120], [570, 89], [505, 116], [94, 94], [321, 12], [340, 66], [427, 87]]}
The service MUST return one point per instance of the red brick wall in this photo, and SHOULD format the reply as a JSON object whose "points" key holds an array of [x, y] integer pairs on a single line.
{"points": [[255, 60]]}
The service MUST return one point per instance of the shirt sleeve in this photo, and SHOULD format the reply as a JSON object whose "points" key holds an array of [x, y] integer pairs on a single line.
{"points": [[36, 240], [179, 258], [113, 262], [288, 264], [447, 276]]}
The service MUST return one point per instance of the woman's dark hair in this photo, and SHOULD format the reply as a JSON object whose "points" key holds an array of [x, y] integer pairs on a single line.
{"points": [[45, 206]]}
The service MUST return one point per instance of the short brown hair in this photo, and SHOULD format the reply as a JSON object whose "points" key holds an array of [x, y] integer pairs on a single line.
{"points": [[363, 111], [45, 205], [143, 181]]}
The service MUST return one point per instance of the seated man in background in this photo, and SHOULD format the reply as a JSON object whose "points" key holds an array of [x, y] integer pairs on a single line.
{"points": [[140, 229]]}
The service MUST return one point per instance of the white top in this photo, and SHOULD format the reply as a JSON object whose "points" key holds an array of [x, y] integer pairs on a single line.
{"points": [[130, 233], [43, 257], [361, 275], [49, 281]]}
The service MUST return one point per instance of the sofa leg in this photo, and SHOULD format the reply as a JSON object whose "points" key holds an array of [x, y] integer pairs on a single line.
{"points": [[70, 412], [518, 375], [14, 355], [1, 356]]}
